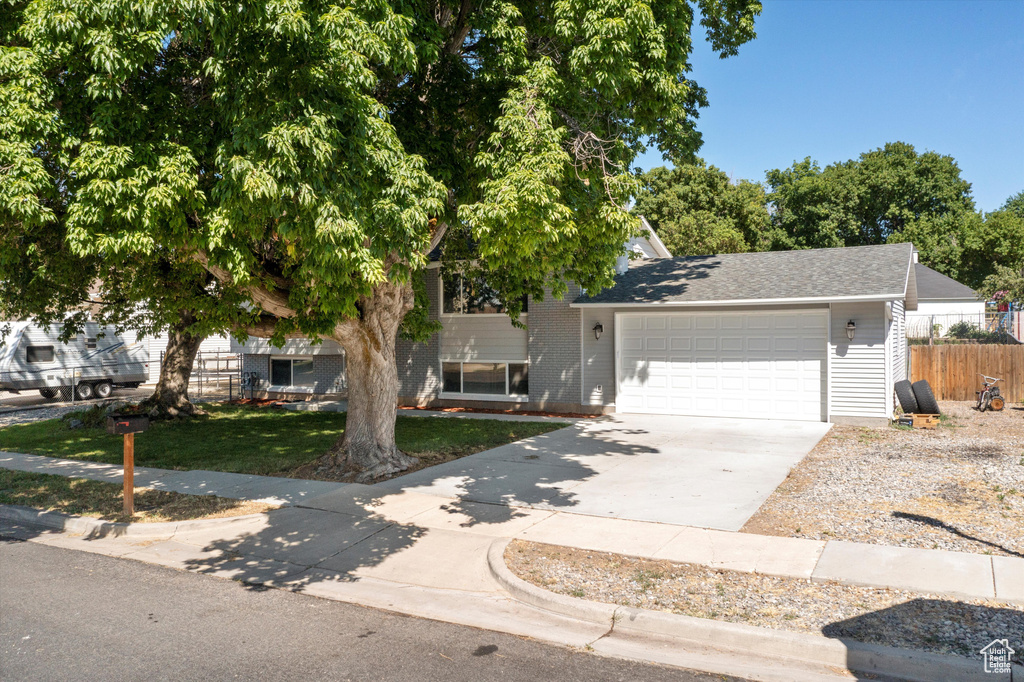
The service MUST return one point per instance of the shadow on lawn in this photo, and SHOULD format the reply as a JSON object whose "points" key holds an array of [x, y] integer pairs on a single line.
{"points": [[338, 536]]}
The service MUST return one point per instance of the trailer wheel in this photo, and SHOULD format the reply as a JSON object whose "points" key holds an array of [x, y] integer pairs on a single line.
{"points": [[103, 389], [48, 393], [83, 391]]}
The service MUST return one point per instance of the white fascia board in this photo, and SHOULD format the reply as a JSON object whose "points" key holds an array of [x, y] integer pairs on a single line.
{"points": [[655, 241], [910, 297], [745, 301]]}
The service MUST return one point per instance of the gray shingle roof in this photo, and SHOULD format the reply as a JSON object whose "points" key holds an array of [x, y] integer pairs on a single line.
{"points": [[932, 285], [812, 273]]}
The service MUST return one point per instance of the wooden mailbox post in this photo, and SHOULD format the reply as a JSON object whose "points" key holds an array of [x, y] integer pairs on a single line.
{"points": [[128, 425]]}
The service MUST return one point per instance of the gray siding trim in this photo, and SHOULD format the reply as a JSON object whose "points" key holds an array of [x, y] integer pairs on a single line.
{"points": [[859, 375], [476, 337]]}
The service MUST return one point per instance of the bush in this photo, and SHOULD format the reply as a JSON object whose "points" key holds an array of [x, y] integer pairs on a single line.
{"points": [[96, 416], [966, 330]]}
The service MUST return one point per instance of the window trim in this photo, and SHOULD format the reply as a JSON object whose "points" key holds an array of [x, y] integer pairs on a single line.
{"points": [[291, 374], [443, 314], [51, 348], [462, 395]]}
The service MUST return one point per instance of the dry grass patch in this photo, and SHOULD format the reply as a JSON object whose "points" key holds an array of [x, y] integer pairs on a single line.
{"points": [[102, 500]]}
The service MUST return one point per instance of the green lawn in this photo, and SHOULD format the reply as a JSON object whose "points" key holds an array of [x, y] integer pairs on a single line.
{"points": [[263, 441]]}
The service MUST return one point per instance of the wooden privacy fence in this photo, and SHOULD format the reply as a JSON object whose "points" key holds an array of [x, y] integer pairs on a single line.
{"points": [[952, 370]]}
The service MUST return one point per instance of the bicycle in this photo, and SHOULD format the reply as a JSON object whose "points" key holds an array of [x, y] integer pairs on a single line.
{"points": [[250, 380], [988, 396]]}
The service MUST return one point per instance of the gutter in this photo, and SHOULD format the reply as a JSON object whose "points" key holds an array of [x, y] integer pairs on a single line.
{"points": [[745, 301]]}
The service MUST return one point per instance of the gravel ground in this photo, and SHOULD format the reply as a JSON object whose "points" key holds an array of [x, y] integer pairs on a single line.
{"points": [[958, 487], [880, 616]]}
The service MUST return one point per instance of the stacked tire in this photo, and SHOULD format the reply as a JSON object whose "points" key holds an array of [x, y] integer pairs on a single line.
{"points": [[916, 397]]}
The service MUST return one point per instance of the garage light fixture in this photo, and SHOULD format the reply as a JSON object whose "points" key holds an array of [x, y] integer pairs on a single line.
{"points": [[598, 330], [851, 329]]}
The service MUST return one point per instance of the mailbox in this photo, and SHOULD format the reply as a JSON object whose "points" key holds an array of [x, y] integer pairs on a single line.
{"points": [[123, 424]]}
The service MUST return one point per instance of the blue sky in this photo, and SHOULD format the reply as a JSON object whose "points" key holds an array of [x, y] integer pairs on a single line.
{"points": [[831, 79]]}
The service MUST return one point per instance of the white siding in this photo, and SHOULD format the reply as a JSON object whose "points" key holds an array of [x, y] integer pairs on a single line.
{"points": [[482, 337], [859, 375], [254, 346], [899, 331], [158, 345]]}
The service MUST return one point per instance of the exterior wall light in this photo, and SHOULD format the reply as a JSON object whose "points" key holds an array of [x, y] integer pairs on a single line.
{"points": [[851, 329], [598, 330]]}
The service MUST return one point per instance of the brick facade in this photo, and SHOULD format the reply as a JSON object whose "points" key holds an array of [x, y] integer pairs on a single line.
{"points": [[419, 368], [554, 347], [328, 375]]}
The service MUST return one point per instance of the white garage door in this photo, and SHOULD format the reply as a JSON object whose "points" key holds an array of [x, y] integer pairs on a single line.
{"points": [[768, 365]]}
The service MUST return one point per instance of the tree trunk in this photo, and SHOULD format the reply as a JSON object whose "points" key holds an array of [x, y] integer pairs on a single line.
{"points": [[368, 444], [170, 399]]}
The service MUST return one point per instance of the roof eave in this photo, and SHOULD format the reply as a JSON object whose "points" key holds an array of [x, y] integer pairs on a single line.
{"points": [[744, 301]]}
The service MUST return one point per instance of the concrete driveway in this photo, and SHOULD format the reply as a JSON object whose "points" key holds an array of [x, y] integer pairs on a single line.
{"points": [[694, 471]]}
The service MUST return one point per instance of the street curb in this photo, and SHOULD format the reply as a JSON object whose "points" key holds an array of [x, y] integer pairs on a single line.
{"points": [[95, 528], [904, 664]]}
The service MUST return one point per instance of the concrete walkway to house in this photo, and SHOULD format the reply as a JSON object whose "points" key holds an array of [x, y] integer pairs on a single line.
{"points": [[337, 531]]}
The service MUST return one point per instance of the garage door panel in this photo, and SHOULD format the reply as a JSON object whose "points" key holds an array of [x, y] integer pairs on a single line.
{"points": [[656, 343], [655, 323], [732, 343], [768, 365]]}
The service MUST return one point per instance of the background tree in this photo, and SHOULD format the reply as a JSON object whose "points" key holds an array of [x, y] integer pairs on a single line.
{"points": [[310, 154], [1001, 247], [1015, 205], [696, 210], [891, 194]]}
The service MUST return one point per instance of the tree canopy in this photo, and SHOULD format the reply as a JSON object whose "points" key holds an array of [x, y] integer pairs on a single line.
{"points": [[892, 194], [309, 154], [696, 210]]}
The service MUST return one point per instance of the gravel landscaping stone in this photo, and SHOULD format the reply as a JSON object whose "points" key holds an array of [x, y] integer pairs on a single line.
{"points": [[959, 487], [887, 617]]}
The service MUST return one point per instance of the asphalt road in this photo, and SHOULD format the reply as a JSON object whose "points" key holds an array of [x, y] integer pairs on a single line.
{"points": [[67, 615]]}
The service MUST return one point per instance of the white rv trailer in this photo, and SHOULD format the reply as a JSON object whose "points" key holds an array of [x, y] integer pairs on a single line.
{"points": [[95, 361]]}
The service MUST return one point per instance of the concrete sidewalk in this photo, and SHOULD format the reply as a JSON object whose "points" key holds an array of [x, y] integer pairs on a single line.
{"points": [[428, 556], [400, 532]]}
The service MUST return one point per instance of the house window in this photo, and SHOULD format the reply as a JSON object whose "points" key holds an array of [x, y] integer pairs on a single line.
{"points": [[292, 372], [39, 354], [90, 343], [485, 378], [471, 296]]}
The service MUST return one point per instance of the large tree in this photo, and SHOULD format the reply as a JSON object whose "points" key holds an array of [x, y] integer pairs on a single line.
{"points": [[310, 154], [697, 210]]}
